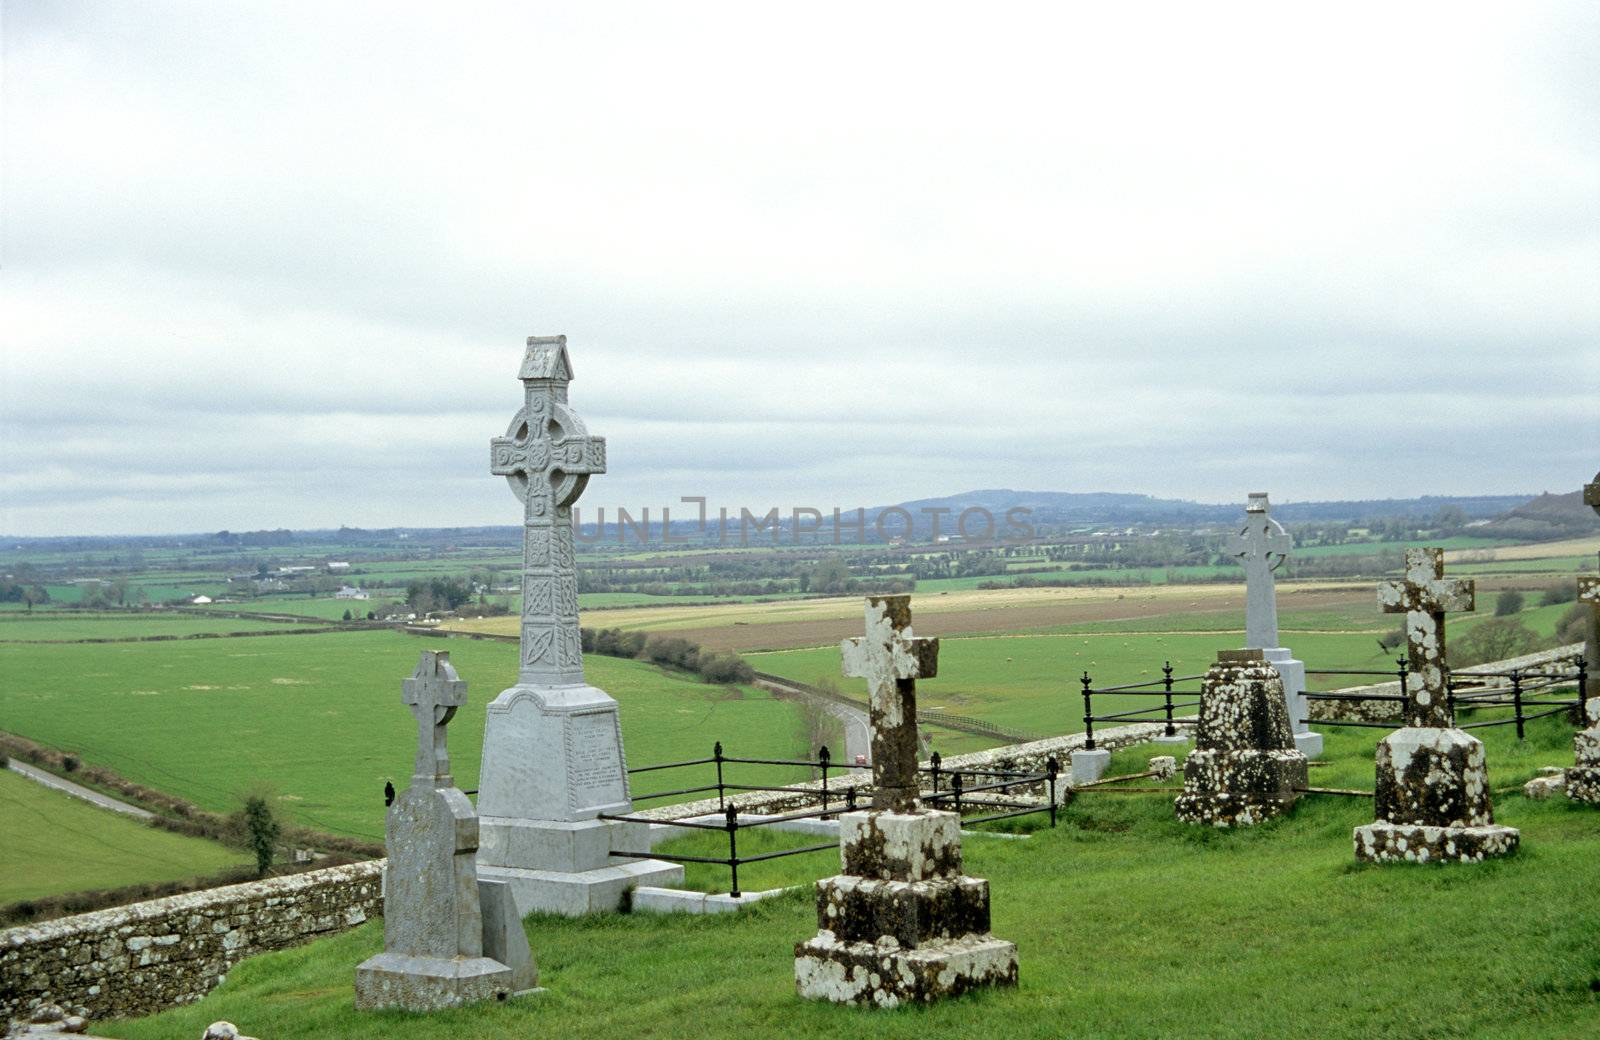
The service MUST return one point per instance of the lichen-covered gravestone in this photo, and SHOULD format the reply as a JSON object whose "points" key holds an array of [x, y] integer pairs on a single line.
{"points": [[1244, 768], [552, 744], [1583, 779], [447, 940], [1432, 797], [900, 924], [1261, 546]]}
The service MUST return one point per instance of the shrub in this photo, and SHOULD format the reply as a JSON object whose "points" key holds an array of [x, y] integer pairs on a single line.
{"points": [[1392, 641], [1565, 592], [71, 763], [726, 667], [1494, 639], [1507, 603], [1574, 624], [261, 831]]}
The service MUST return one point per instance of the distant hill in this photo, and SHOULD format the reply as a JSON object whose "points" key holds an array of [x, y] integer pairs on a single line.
{"points": [[1547, 516], [1066, 507]]}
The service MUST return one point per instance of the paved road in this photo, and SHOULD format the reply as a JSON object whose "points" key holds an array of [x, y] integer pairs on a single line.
{"points": [[79, 791], [857, 730]]}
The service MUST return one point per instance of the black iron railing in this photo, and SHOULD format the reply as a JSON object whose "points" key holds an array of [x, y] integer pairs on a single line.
{"points": [[951, 788], [1164, 687]]}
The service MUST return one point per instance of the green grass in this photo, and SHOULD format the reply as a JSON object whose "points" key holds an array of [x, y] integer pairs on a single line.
{"points": [[320, 718], [1129, 925], [1030, 683], [69, 627], [52, 843]]}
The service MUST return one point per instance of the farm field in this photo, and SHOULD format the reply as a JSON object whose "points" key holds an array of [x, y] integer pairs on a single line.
{"points": [[1505, 949], [67, 627], [52, 843], [319, 716]]}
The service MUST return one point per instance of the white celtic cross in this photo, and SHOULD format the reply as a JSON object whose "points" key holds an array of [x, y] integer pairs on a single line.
{"points": [[433, 693], [1261, 546], [547, 456]]}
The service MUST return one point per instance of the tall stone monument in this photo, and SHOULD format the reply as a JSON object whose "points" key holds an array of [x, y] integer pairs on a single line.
{"points": [[1261, 546], [447, 941], [1583, 779], [1244, 767], [552, 744], [1432, 798], [900, 923]]}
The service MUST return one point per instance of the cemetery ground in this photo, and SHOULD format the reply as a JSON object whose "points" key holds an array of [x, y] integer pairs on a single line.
{"points": [[1130, 924], [51, 843]]}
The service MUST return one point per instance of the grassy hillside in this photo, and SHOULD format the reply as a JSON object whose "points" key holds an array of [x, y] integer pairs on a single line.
{"points": [[1130, 925], [319, 717], [52, 843]]}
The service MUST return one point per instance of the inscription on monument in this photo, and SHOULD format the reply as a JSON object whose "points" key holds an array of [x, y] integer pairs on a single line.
{"points": [[594, 760]]}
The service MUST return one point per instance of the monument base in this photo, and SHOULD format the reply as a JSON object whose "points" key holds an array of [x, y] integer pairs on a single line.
{"points": [[1088, 766], [566, 867], [1583, 779], [1384, 842], [883, 974], [392, 980], [1180, 737], [1308, 744], [1239, 788]]}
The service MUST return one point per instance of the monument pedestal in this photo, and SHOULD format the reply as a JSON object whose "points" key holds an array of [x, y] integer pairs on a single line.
{"points": [[1244, 769], [901, 924], [1179, 737], [1583, 779], [1293, 674], [1432, 801], [1088, 766], [552, 762]]}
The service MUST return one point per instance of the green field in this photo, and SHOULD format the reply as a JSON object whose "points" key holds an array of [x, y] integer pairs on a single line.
{"points": [[67, 627], [319, 717], [1129, 924], [52, 843]]}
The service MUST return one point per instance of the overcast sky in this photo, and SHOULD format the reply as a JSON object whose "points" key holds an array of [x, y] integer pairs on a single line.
{"points": [[273, 265]]}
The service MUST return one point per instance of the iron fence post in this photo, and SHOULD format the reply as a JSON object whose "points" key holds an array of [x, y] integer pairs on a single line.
{"points": [[822, 759], [850, 798], [716, 753], [955, 787], [1088, 713], [1166, 673], [1051, 768], [1583, 692], [933, 761], [1516, 699], [732, 814]]}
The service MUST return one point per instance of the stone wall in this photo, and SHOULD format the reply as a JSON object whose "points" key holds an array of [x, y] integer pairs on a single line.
{"points": [[145, 957]]}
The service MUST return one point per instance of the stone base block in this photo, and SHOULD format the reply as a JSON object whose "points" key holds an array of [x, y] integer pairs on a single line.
{"points": [[574, 894], [1384, 842], [885, 975], [1180, 737], [392, 980], [1089, 766], [1432, 777], [1227, 810], [914, 913], [1308, 744], [900, 846], [1583, 784], [647, 898], [1239, 788]]}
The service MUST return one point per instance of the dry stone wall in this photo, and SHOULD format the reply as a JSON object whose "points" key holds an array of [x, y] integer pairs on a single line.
{"points": [[1390, 711], [145, 957]]}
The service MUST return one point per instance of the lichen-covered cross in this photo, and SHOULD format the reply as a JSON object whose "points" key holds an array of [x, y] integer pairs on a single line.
{"points": [[891, 658], [1424, 596], [547, 456], [433, 693], [1261, 546]]}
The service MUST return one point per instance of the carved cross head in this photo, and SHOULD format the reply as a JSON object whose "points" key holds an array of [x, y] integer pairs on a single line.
{"points": [[433, 693], [1261, 539]]}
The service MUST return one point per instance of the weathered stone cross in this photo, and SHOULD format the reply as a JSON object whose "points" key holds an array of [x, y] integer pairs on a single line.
{"points": [[1424, 597], [1589, 592], [1261, 547], [892, 659], [433, 693], [547, 456]]}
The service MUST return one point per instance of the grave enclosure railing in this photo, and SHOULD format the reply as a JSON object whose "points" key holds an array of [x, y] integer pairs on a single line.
{"points": [[1517, 689], [1165, 712], [950, 789]]}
